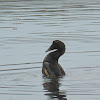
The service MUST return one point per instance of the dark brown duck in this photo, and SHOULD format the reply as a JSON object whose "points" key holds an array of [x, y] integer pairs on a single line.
{"points": [[51, 67]]}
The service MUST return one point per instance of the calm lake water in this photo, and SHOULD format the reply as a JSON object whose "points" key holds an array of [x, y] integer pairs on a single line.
{"points": [[27, 29]]}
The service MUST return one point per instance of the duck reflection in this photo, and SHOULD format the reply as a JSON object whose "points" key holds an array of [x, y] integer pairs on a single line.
{"points": [[53, 89]]}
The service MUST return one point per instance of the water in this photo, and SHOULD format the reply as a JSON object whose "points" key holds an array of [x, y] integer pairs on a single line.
{"points": [[27, 29]]}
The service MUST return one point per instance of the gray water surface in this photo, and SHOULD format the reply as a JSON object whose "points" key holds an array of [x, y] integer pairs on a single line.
{"points": [[27, 29]]}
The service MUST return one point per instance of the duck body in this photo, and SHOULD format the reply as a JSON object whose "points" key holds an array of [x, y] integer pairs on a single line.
{"points": [[51, 67]]}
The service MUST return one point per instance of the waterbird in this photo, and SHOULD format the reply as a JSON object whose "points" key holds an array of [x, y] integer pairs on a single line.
{"points": [[51, 68]]}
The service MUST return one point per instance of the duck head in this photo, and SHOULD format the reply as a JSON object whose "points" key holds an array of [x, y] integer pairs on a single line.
{"points": [[57, 45]]}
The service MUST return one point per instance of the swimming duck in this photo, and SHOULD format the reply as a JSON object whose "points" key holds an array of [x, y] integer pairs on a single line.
{"points": [[51, 67]]}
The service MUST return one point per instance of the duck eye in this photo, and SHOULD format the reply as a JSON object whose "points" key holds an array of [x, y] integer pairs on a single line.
{"points": [[53, 41]]}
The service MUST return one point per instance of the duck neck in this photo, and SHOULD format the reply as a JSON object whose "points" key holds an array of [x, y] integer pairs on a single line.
{"points": [[56, 54]]}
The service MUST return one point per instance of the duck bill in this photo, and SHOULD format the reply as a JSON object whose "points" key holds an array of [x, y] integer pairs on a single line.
{"points": [[50, 48]]}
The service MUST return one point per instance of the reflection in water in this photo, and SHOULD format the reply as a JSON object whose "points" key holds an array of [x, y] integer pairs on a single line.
{"points": [[53, 89]]}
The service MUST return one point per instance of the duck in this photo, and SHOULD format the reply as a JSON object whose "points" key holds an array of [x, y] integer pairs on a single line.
{"points": [[51, 68]]}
